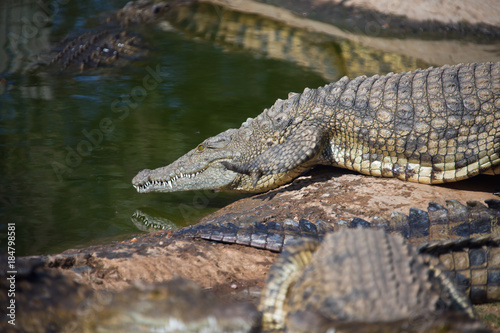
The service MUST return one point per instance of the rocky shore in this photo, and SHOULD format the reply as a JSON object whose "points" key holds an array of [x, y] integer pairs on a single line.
{"points": [[237, 273]]}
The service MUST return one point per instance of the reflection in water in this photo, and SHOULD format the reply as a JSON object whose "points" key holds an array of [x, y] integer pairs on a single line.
{"points": [[147, 219], [272, 39], [437, 52], [24, 36], [329, 56]]}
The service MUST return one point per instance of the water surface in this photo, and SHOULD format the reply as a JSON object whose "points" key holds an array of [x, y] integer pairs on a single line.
{"points": [[71, 143]]}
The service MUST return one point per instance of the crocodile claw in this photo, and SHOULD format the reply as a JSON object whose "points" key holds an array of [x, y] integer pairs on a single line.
{"points": [[255, 176], [239, 168], [244, 169]]}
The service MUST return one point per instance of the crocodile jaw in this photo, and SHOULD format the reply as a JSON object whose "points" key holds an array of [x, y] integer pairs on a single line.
{"points": [[172, 179], [213, 177]]}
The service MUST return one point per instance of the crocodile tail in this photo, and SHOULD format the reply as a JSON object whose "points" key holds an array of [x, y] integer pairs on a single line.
{"points": [[472, 262], [438, 223], [263, 235]]}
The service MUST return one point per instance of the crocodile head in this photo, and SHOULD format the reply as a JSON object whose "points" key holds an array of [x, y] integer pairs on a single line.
{"points": [[199, 169], [264, 153], [206, 168]]}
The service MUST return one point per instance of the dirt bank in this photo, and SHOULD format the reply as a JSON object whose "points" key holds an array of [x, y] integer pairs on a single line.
{"points": [[445, 11], [235, 272], [324, 193]]}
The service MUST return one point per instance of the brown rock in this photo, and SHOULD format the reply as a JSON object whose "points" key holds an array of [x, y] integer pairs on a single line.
{"points": [[329, 193]]}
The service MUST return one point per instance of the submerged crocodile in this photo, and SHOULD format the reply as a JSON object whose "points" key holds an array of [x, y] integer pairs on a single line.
{"points": [[112, 44], [428, 126], [97, 49]]}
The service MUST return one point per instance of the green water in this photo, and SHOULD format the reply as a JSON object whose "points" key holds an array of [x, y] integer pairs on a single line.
{"points": [[70, 143]]}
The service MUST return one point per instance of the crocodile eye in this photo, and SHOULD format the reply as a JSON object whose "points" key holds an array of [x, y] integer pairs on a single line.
{"points": [[200, 148]]}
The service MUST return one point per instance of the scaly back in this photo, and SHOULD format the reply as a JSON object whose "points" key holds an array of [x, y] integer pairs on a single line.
{"points": [[429, 126]]}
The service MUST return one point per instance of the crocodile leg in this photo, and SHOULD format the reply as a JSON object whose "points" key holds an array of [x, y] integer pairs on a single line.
{"points": [[303, 145]]}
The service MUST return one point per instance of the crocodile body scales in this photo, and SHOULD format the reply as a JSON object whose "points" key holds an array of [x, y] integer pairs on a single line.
{"points": [[429, 126], [383, 282]]}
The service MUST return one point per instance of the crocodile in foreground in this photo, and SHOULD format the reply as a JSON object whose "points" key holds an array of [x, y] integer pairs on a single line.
{"points": [[428, 126], [444, 232], [382, 286]]}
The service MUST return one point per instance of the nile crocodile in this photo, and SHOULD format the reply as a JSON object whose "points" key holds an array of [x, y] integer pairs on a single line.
{"points": [[444, 232], [112, 44], [382, 286], [428, 126], [96, 49]]}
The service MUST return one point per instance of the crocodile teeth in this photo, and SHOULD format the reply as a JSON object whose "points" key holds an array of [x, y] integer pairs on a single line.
{"points": [[164, 183]]}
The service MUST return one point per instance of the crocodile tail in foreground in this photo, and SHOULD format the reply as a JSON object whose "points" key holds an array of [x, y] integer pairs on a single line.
{"points": [[268, 235], [381, 286], [429, 126], [437, 223]]}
